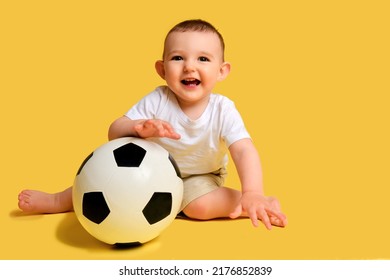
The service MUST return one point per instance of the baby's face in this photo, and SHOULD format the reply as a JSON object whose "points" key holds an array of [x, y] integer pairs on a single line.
{"points": [[193, 64]]}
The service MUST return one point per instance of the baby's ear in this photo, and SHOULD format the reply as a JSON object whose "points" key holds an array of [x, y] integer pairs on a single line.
{"points": [[159, 65], [224, 71]]}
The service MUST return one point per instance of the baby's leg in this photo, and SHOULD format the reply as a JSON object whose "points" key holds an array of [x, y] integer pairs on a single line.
{"points": [[218, 204], [32, 201], [215, 204]]}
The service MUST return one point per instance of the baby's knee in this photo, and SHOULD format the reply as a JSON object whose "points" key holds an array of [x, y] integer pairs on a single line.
{"points": [[197, 210]]}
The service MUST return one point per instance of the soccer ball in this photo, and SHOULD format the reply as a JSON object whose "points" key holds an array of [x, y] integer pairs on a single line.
{"points": [[127, 191]]}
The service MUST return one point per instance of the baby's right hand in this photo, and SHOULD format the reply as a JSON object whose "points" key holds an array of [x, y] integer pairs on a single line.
{"points": [[156, 128]]}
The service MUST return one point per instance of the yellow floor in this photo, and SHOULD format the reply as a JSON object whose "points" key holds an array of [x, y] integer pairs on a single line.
{"points": [[311, 80], [60, 236]]}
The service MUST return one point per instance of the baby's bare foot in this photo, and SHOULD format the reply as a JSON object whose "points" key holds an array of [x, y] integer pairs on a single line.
{"points": [[31, 201]]}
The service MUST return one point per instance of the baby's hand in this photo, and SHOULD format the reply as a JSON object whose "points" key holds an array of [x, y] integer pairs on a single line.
{"points": [[259, 207], [156, 128]]}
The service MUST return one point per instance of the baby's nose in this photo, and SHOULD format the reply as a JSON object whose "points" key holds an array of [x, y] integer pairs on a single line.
{"points": [[189, 66]]}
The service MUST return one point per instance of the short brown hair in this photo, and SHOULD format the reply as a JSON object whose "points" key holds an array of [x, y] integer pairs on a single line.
{"points": [[197, 25]]}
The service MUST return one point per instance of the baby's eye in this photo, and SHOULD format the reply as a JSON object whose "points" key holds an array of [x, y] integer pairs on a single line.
{"points": [[177, 57], [203, 59]]}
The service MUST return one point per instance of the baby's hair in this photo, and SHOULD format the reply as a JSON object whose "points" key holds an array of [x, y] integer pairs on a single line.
{"points": [[197, 25]]}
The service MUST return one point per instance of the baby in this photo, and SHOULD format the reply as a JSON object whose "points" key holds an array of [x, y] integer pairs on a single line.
{"points": [[197, 127]]}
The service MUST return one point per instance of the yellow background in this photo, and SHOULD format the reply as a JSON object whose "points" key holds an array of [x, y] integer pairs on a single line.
{"points": [[311, 79]]}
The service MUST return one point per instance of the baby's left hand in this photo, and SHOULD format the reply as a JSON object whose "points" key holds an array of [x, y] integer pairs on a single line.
{"points": [[259, 207]]}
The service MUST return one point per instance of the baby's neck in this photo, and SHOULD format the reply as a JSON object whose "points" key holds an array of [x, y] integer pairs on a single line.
{"points": [[194, 110]]}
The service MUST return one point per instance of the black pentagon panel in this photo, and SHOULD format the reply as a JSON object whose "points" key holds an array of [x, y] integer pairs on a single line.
{"points": [[129, 155], [158, 207], [95, 207], [84, 162], [172, 160]]}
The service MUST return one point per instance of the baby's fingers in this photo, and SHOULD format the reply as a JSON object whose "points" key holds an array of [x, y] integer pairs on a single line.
{"points": [[256, 214], [156, 128], [277, 218], [253, 216], [169, 131], [263, 216]]}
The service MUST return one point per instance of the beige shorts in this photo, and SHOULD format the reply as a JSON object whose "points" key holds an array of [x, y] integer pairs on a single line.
{"points": [[197, 185]]}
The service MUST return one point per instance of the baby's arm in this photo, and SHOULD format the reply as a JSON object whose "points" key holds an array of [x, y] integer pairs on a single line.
{"points": [[123, 127], [253, 202]]}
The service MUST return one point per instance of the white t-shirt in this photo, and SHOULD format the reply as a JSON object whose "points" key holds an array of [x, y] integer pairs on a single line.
{"points": [[204, 142]]}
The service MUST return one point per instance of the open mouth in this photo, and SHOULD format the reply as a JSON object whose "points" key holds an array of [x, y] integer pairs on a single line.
{"points": [[190, 82]]}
